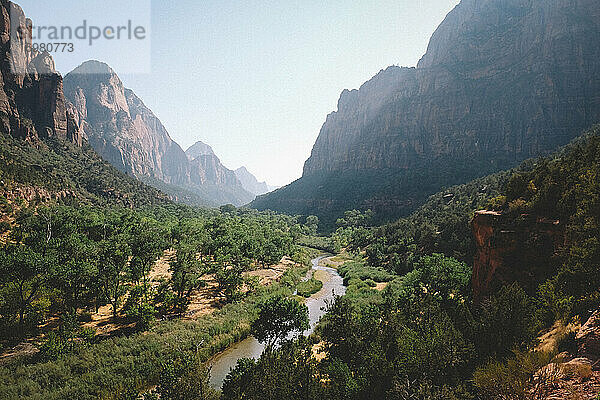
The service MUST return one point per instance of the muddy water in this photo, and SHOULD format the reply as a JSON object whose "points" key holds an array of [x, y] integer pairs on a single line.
{"points": [[251, 348]]}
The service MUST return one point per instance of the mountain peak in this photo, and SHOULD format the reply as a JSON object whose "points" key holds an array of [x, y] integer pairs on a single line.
{"points": [[94, 67], [126, 133], [250, 183], [199, 149]]}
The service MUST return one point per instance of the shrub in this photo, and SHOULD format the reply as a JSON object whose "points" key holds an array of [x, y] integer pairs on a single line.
{"points": [[309, 287], [506, 322], [4, 226], [509, 379]]}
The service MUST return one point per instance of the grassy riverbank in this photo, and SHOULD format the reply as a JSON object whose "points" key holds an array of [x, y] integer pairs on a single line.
{"points": [[111, 368]]}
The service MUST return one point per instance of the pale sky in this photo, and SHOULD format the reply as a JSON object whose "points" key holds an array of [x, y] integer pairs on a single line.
{"points": [[256, 79]]}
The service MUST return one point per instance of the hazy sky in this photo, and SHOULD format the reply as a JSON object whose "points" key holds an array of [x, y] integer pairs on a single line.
{"points": [[256, 79]]}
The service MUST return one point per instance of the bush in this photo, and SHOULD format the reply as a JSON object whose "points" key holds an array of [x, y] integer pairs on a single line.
{"points": [[309, 287], [506, 322], [359, 270], [509, 379]]}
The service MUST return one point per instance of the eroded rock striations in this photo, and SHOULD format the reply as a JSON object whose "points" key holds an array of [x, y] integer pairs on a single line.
{"points": [[127, 134], [502, 81], [32, 103]]}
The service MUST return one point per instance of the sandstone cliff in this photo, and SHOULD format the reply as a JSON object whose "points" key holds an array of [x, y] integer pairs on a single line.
{"points": [[199, 149], [513, 249], [127, 134], [32, 103], [502, 81], [43, 156]]}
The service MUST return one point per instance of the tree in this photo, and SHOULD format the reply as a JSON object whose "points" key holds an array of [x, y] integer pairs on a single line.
{"points": [[112, 269], [227, 209], [75, 272], [24, 272], [506, 322], [312, 224], [355, 219], [186, 272], [185, 377], [286, 373], [229, 280], [278, 317], [147, 243]]}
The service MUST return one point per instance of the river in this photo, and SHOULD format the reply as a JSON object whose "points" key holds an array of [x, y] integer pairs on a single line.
{"points": [[222, 363]]}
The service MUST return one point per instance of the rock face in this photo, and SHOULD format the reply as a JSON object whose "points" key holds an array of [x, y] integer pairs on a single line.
{"points": [[502, 81], [126, 133], [250, 182], [32, 103], [588, 338], [576, 374], [513, 249]]}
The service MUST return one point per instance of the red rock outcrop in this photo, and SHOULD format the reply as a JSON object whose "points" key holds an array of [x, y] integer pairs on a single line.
{"points": [[588, 339], [32, 103], [573, 375], [513, 249]]}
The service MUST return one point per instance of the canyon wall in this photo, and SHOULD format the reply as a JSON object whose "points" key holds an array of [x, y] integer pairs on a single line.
{"points": [[502, 81], [125, 132], [32, 103]]}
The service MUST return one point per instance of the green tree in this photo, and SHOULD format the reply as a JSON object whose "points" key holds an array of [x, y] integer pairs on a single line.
{"points": [[278, 317], [24, 273], [229, 279], [185, 378], [185, 274], [112, 270], [312, 224], [506, 322]]}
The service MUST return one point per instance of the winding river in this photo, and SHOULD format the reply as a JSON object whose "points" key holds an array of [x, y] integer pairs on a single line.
{"points": [[250, 348]]}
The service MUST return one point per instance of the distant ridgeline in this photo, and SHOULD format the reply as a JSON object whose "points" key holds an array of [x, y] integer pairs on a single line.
{"points": [[501, 82], [120, 127], [43, 154]]}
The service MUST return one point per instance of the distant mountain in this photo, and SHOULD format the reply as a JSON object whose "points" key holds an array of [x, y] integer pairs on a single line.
{"points": [[43, 156], [199, 149], [126, 133], [502, 81], [250, 182]]}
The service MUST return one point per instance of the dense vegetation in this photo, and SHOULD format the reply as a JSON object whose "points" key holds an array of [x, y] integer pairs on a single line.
{"points": [[418, 338], [565, 188], [78, 173], [389, 193], [422, 337], [62, 263], [441, 225], [407, 327]]}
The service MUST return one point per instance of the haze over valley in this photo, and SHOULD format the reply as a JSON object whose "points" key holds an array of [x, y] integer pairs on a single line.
{"points": [[204, 209]]}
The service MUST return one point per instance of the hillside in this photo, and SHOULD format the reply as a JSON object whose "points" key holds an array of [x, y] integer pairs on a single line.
{"points": [[42, 153], [502, 81], [53, 169]]}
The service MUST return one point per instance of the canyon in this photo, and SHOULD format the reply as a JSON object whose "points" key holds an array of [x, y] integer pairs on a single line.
{"points": [[501, 82]]}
